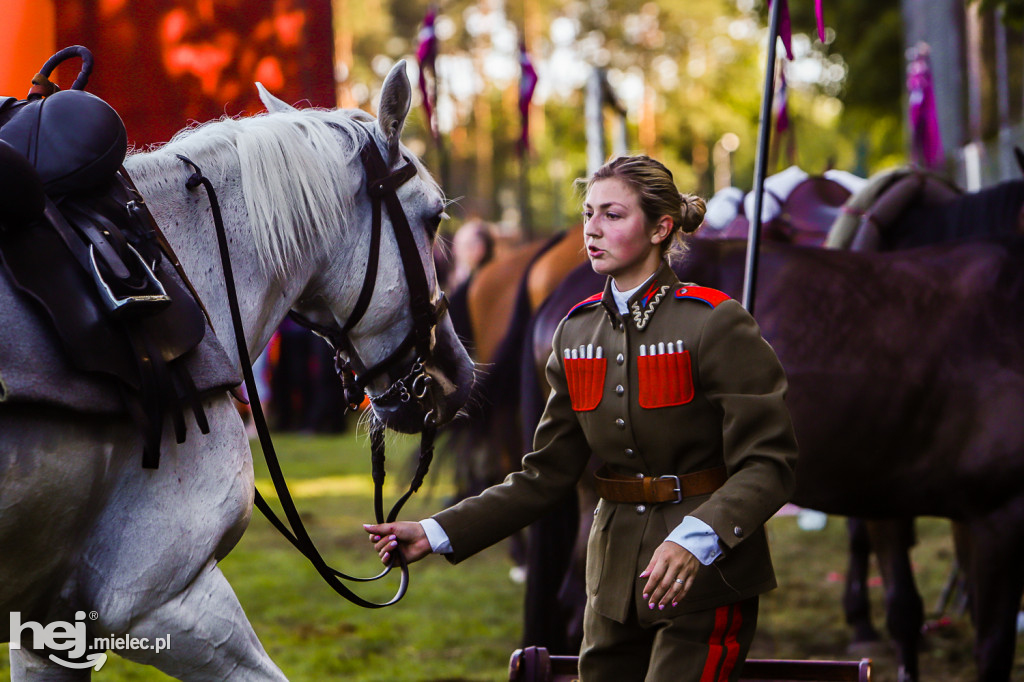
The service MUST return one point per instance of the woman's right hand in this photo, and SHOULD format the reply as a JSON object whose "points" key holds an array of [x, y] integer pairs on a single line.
{"points": [[407, 536]]}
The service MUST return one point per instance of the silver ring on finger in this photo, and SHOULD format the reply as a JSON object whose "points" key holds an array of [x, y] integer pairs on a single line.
{"points": [[681, 582]]}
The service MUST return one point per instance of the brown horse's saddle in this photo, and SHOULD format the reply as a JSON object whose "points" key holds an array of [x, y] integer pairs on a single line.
{"points": [[78, 243]]}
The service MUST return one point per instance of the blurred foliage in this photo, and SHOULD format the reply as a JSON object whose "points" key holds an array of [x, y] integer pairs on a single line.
{"points": [[688, 73]]}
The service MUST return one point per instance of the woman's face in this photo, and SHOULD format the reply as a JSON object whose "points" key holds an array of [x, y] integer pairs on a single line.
{"points": [[615, 232]]}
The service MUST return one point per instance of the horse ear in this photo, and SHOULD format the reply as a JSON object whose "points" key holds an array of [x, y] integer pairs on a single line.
{"points": [[273, 104], [395, 101]]}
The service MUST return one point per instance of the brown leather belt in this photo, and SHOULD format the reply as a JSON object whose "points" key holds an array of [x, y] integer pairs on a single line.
{"points": [[616, 487]]}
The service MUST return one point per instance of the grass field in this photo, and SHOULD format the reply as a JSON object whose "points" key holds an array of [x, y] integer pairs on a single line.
{"points": [[461, 623]]}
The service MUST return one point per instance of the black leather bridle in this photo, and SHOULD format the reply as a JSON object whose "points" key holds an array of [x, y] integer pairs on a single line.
{"points": [[382, 188]]}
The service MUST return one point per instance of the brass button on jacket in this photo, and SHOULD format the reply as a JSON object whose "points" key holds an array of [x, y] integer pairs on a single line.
{"points": [[729, 370]]}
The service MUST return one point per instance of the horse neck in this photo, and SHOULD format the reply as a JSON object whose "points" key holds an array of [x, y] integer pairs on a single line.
{"points": [[186, 220]]}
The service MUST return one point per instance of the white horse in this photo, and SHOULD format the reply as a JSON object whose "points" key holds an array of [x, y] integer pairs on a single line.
{"points": [[84, 529]]}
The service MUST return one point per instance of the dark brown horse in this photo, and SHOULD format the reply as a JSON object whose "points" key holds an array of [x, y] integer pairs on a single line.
{"points": [[901, 209], [906, 384]]}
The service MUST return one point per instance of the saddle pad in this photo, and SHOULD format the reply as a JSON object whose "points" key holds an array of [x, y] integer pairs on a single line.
{"points": [[34, 368]]}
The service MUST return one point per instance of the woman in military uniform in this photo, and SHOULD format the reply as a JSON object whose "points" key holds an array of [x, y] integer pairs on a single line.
{"points": [[673, 387]]}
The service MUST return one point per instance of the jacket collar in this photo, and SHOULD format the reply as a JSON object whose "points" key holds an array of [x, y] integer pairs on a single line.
{"points": [[646, 300]]}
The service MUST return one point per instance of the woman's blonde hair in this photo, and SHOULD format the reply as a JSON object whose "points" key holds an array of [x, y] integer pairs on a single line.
{"points": [[658, 194]]}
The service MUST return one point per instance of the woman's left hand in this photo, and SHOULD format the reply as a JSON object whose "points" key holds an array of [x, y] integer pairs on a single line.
{"points": [[669, 575]]}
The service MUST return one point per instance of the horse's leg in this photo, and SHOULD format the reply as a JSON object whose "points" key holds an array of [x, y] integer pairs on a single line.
{"points": [[892, 540], [856, 604], [148, 568], [212, 638], [996, 583], [550, 547]]}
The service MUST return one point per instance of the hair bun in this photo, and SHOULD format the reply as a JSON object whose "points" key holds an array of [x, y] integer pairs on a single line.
{"points": [[693, 209]]}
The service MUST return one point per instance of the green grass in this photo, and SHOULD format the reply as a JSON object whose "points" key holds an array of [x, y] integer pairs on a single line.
{"points": [[461, 623]]}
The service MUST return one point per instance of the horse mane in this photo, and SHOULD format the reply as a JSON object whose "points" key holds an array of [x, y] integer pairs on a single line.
{"points": [[298, 193]]}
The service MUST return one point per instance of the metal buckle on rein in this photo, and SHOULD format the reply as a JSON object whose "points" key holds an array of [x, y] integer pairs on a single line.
{"points": [[678, 490]]}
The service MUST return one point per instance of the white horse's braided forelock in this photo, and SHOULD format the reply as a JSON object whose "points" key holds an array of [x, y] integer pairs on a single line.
{"points": [[298, 192]]}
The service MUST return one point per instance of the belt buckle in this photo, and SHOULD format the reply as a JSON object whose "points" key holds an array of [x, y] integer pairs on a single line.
{"points": [[678, 490]]}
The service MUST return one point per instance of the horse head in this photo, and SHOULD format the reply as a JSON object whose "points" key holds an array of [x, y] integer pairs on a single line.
{"points": [[393, 338]]}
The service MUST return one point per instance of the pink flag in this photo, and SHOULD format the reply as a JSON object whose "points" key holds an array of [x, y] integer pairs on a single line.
{"points": [[785, 28], [819, 16], [926, 142], [426, 55], [527, 84]]}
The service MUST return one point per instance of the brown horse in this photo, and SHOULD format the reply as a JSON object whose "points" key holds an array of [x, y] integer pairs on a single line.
{"points": [[491, 313], [906, 385]]}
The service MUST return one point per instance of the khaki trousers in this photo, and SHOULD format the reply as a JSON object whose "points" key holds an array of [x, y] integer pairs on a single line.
{"points": [[704, 646]]}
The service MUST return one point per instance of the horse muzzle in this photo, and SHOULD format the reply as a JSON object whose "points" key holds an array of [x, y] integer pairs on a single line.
{"points": [[434, 389]]}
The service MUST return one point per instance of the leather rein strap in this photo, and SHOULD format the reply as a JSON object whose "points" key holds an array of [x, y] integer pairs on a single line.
{"points": [[425, 317]]}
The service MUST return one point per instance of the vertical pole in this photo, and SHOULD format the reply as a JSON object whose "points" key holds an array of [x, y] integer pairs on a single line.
{"points": [[525, 214], [443, 160], [1006, 162], [761, 161], [974, 150], [594, 111], [620, 135]]}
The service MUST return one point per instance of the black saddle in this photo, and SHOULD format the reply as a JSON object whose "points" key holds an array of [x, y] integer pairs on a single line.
{"points": [[74, 139], [77, 239]]}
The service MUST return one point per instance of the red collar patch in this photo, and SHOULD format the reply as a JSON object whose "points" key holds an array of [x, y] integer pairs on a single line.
{"points": [[596, 298], [712, 297]]}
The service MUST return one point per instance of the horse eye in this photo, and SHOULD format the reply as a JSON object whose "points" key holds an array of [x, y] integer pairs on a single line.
{"points": [[434, 224]]}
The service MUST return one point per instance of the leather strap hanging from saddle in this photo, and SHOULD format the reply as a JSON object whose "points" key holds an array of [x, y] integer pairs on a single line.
{"points": [[95, 263], [616, 487]]}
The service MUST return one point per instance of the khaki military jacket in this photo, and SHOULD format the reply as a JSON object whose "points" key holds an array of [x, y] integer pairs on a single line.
{"points": [[718, 401]]}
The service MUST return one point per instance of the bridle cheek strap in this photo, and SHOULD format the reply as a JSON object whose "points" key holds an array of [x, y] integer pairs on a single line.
{"points": [[382, 190]]}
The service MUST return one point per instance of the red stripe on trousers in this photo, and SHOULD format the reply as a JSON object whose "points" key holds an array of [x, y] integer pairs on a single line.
{"points": [[715, 649], [732, 645]]}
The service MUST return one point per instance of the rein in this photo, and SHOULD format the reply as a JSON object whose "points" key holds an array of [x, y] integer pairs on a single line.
{"points": [[415, 384]]}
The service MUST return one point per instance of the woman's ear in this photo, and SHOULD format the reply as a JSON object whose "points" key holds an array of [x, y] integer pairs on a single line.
{"points": [[662, 229]]}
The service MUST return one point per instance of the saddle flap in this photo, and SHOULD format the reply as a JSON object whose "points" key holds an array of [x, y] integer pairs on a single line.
{"points": [[22, 199]]}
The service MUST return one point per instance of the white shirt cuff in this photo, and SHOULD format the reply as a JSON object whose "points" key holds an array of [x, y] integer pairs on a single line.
{"points": [[438, 539], [695, 536]]}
